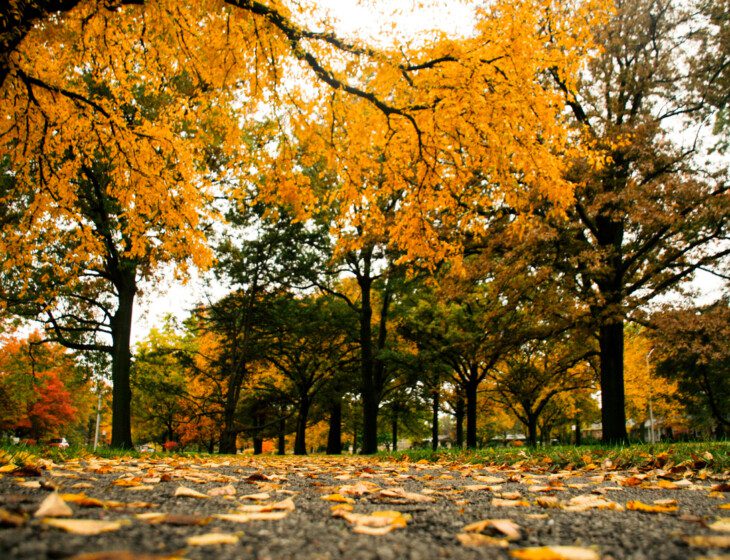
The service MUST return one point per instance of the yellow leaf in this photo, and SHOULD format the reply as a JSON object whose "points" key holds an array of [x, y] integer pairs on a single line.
{"points": [[634, 505], [499, 502], [708, 541], [722, 524], [209, 539], [339, 498], [555, 553], [477, 540], [84, 526], [82, 500]]}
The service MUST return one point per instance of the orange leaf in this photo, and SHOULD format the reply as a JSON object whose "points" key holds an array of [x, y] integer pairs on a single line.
{"points": [[634, 505]]}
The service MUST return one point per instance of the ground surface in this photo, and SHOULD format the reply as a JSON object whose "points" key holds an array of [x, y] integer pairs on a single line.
{"points": [[321, 508]]}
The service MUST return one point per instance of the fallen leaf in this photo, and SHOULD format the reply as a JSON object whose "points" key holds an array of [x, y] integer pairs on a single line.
{"points": [[587, 502], [708, 541], [124, 555], [499, 502], [8, 519], [549, 502], [82, 500], [246, 517], [177, 519], [339, 498], [722, 524], [555, 553], [209, 539], [402, 494], [184, 491], [722, 487], [724, 506], [228, 490], [477, 540], [260, 496], [376, 523], [53, 506], [360, 489], [84, 526], [507, 527], [634, 505]]}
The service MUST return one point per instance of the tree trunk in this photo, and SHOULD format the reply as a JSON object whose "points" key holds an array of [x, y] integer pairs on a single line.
{"points": [[435, 419], [121, 363], [300, 439], [394, 429], [354, 440], [613, 414], [532, 430], [368, 389], [459, 416], [258, 440], [281, 447], [334, 436], [471, 414], [578, 433], [229, 434]]}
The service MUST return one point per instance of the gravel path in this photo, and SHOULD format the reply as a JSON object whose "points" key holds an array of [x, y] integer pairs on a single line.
{"points": [[333, 499]]}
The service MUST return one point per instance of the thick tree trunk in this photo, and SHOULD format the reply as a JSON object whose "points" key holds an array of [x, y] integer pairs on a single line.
{"points": [[394, 429], [613, 414], [435, 419], [471, 414], [258, 440], [578, 433], [532, 430], [121, 363], [281, 446], [354, 440], [334, 436], [459, 417], [300, 439], [369, 398], [229, 434]]}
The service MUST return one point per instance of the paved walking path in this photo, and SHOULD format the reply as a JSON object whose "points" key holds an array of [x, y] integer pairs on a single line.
{"points": [[358, 508]]}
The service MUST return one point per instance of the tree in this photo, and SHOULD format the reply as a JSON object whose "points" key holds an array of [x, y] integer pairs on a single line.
{"points": [[691, 350], [648, 213], [154, 163], [528, 379], [36, 385], [159, 380], [311, 343]]}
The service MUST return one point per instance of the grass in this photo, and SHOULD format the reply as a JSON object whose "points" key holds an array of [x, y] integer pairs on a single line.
{"points": [[714, 456]]}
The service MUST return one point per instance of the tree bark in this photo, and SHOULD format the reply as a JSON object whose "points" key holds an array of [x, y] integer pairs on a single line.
{"points": [[281, 445], [121, 363], [394, 429], [334, 436], [258, 440], [613, 413], [368, 389], [300, 439], [471, 414], [459, 417], [578, 433], [435, 419], [532, 430]]}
